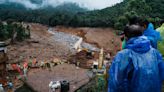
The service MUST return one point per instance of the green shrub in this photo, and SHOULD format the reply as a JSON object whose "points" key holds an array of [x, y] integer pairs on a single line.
{"points": [[8, 30]]}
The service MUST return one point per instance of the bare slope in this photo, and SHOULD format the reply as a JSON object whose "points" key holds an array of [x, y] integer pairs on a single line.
{"points": [[44, 47]]}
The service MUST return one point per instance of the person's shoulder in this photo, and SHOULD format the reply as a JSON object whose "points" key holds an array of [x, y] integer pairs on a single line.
{"points": [[156, 52], [122, 53], [122, 56]]}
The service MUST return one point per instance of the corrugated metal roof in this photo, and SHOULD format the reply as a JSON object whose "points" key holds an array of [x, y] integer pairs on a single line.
{"points": [[2, 44]]}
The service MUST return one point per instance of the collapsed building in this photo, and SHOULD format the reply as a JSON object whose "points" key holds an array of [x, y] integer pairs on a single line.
{"points": [[3, 59]]}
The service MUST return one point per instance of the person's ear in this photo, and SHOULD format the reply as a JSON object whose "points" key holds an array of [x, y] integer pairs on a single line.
{"points": [[145, 26], [143, 29]]}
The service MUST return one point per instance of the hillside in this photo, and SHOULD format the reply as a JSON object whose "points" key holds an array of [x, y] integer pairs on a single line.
{"points": [[46, 15], [48, 44], [117, 16], [70, 14]]}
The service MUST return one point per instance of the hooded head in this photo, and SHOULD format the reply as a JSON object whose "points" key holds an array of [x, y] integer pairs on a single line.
{"points": [[152, 35], [139, 44], [151, 32], [135, 40]]}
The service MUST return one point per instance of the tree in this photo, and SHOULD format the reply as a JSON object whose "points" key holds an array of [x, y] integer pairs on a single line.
{"points": [[139, 6], [13, 31]]}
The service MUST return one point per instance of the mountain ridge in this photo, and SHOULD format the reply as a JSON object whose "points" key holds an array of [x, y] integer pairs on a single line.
{"points": [[72, 14]]}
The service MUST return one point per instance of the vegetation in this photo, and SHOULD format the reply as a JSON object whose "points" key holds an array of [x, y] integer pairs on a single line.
{"points": [[96, 84], [70, 14], [13, 31], [60, 15], [117, 16]]}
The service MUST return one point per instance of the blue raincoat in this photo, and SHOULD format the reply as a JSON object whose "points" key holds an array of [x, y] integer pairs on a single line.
{"points": [[138, 68], [152, 35]]}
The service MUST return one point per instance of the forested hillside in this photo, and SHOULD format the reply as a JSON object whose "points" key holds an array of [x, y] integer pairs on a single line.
{"points": [[70, 14], [118, 15], [59, 15]]}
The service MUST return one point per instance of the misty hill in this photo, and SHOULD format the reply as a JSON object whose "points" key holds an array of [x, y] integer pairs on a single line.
{"points": [[36, 1], [46, 15], [8, 6], [70, 14], [68, 7]]}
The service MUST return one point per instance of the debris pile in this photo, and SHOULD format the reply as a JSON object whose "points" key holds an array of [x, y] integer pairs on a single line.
{"points": [[69, 40], [84, 59], [3, 59], [98, 82], [46, 57]]}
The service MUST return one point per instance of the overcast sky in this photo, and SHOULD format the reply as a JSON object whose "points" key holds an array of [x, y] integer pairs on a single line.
{"points": [[91, 4]]}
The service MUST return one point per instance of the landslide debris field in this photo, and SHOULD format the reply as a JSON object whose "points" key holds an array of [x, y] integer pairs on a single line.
{"points": [[45, 45], [49, 44]]}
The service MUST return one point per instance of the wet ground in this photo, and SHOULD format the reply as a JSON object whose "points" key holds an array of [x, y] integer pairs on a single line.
{"points": [[25, 88], [44, 46], [39, 79]]}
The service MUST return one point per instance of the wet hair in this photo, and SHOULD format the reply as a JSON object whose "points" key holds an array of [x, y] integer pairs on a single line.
{"points": [[134, 20], [133, 31], [122, 38], [139, 21]]}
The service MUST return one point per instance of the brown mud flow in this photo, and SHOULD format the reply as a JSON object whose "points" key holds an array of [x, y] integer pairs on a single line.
{"points": [[45, 47]]}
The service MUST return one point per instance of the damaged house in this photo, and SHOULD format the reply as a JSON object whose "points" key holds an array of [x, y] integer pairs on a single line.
{"points": [[3, 59]]}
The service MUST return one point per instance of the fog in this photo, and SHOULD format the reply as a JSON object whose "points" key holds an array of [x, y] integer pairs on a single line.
{"points": [[90, 4]]}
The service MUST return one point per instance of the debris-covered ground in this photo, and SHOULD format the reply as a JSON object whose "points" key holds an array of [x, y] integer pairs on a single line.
{"points": [[41, 46], [48, 44], [101, 37], [76, 76], [44, 45], [70, 40]]}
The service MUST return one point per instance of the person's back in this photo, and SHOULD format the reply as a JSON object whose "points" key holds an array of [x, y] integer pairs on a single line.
{"points": [[145, 63], [136, 68]]}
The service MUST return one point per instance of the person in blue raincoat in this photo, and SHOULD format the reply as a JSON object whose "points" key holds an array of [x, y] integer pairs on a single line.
{"points": [[137, 68], [152, 34], [149, 32]]}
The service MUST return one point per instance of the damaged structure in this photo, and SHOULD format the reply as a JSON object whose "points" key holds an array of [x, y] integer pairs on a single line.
{"points": [[3, 59]]}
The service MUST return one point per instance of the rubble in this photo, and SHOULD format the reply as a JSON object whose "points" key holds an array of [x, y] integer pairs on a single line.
{"points": [[3, 59], [84, 58], [70, 40], [56, 47]]}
